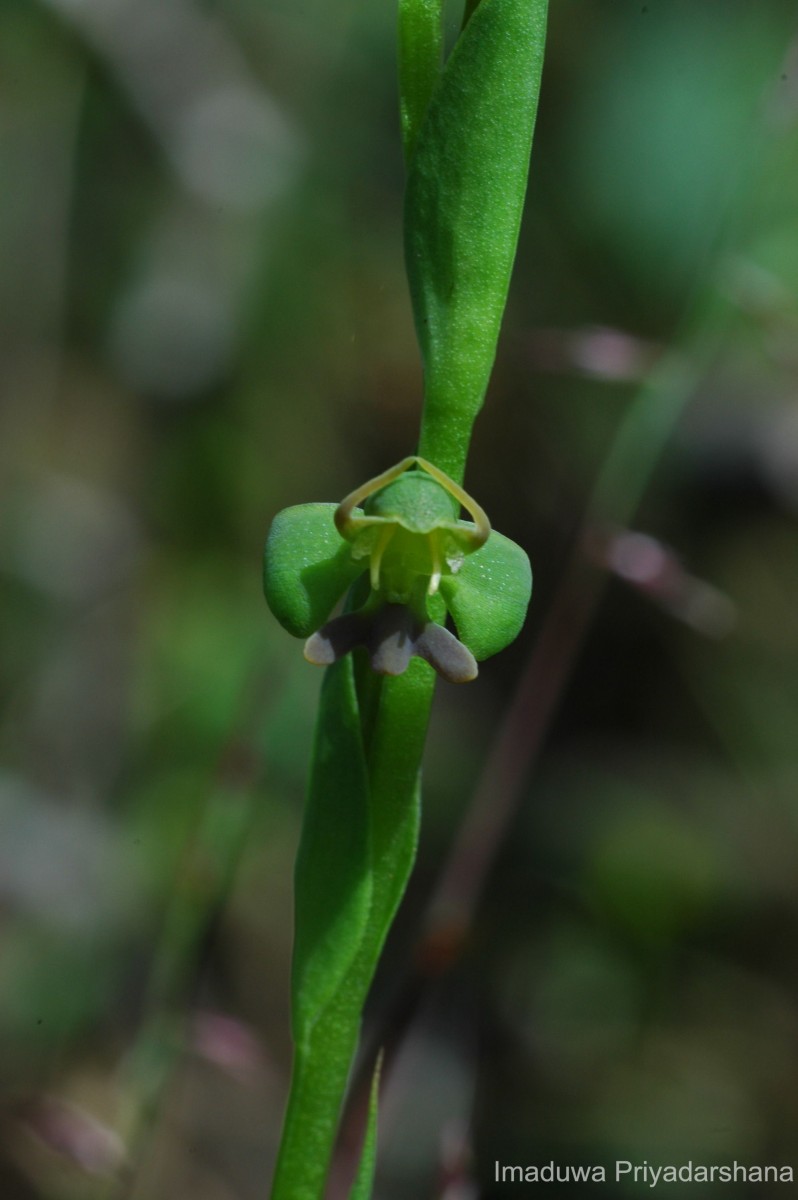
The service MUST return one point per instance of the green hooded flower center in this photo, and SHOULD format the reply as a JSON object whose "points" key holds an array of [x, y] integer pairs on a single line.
{"points": [[409, 529], [415, 501]]}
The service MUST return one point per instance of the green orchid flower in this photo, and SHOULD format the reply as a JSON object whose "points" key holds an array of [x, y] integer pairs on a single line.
{"points": [[416, 561]]}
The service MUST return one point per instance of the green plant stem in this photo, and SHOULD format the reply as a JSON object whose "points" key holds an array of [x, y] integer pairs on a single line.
{"points": [[467, 132], [463, 206], [311, 1119], [420, 60], [364, 1180], [468, 11], [326, 1039]]}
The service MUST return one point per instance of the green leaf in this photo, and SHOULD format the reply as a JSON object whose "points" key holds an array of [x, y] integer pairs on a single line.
{"points": [[364, 1180], [307, 567], [468, 11], [347, 819], [489, 595], [395, 748], [333, 880], [420, 61], [463, 210]]}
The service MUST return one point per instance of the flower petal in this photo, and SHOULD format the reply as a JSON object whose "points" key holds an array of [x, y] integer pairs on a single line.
{"points": [[337, 638], [307, 567], [450, 658], [392, 640], [489, 595], [392, 635]]}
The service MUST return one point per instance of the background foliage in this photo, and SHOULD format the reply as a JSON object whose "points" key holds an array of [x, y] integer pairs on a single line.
{"points": [[205, 319]]}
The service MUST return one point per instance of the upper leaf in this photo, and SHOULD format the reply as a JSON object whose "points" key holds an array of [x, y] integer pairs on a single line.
{"points": [[334, 881], [463, 210], [420, 62]]}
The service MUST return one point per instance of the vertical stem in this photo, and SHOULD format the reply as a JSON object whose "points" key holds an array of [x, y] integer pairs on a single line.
{"points": [[420, 59], [315, 1100], [327, 1040]]}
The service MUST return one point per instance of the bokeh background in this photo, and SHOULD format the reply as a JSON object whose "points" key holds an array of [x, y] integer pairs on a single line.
{"points": [[204, 320]]}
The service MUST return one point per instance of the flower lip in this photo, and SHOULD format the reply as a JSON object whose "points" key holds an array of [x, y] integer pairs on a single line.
{"points": [[392, 634]]}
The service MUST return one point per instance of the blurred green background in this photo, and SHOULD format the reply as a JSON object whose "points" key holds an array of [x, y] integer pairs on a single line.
{"points": [[204, 320]]}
